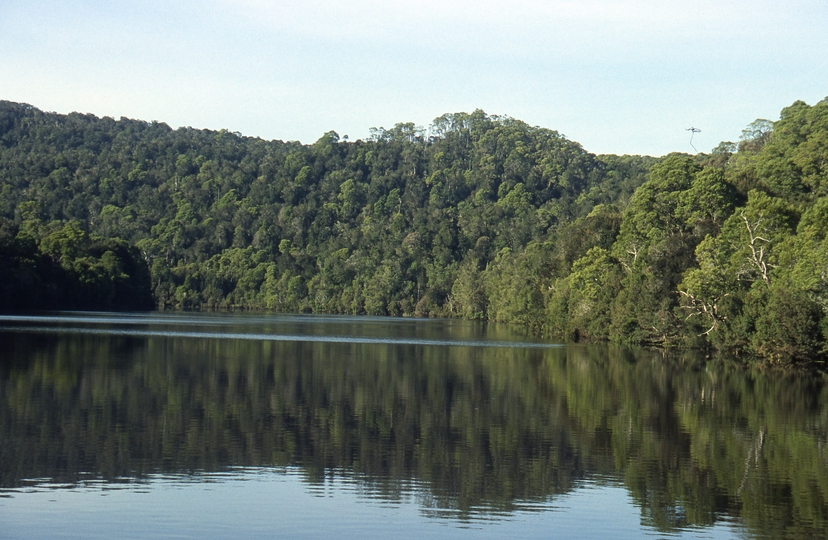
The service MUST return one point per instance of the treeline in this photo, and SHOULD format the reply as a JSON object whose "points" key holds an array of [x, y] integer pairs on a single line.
{"points": [[383, 226], [479, 216], [60, 266], [728, 250]]}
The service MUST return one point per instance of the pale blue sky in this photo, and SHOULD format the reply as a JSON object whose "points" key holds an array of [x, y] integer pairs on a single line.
{"points": [[618, 76]]}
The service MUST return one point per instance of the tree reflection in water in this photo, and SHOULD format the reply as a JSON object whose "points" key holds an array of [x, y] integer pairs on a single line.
{"points": [[485, 429]]}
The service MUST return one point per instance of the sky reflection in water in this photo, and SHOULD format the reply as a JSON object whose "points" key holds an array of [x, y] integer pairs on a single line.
{"points": [[266, 503]]}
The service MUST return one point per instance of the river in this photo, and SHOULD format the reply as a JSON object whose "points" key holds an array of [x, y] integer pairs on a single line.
{"points": [[195, 425]]}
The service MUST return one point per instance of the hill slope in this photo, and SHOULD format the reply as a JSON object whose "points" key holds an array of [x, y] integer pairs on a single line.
{"points": [[486, 218]]}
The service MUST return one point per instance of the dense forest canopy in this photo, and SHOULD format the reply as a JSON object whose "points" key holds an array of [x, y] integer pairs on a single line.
{"points": [[479, 216]]}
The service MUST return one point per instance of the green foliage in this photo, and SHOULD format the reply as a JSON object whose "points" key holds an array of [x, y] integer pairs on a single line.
{"points": [[385, 226], [788, 325], [59, 266], [580, 302], [485, 218]]}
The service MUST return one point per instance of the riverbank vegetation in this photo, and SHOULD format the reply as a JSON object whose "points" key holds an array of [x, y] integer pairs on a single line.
{"points": [[478, 216]]}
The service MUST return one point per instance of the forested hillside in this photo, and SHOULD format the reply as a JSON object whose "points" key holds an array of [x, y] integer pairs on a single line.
{"points": [[479, 216]]}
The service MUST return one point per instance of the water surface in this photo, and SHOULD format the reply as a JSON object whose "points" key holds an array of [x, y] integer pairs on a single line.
{"points": [[221, 426]]}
